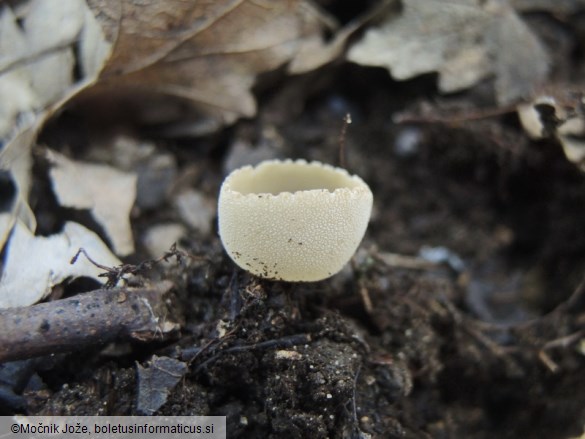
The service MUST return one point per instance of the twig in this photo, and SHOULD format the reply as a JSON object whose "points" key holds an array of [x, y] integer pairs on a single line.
{"points": [[278, 343], [573, 301], [118, 273], [366, 299], [564, 342], [235, 298], [342, 153], [571, 305], [353, 397], [464, 116], [467, 325], [84, 320], [548, 361], [395, 260], [192, 353]]}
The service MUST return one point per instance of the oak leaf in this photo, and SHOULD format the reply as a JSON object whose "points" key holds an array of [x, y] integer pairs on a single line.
{"points": [[206, 55], [464, 41]]}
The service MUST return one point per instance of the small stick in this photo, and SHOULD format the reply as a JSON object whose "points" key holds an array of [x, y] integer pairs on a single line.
{"points": [[93, 318], [342, 153], [366, 300], [118, 273], [354, 397], [464, 116], [280, 343], [235, 298]]}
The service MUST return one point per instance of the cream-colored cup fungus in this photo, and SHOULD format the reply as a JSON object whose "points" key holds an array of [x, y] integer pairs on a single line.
{"points": [[292, 220]]}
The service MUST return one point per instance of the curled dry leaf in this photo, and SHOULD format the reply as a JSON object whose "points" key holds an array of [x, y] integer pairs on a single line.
{"points": [[107, 192], [464, 41], [190, 65], [206, 55], [35, 264]]}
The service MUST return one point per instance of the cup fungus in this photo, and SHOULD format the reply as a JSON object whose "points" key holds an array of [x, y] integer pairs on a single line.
{"points": [[293, 220]]}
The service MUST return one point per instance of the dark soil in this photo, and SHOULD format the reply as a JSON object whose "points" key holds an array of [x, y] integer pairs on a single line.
{"points": [[489, 348]]}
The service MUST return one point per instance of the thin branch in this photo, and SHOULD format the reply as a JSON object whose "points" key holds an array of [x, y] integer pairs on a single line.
{"points": [[354, 397], [453, 118], [119, 273], [342, 153], [279, 343], [93, 318]]}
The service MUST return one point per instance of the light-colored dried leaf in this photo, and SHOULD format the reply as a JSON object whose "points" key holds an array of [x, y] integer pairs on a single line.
{"points": [[557, 112], [207, 54], [7, 221], [94, 50], [422, 38], [574, 149], [572, 137], [521, 62], [12, 39], [17, 97], [107, 192], [465, 70], [530, 120], [35, 264], [15, 158], [196, 210], [16, 93], [52, 25], [159, 238], [36, 57], [316, 52], [464, 41], [51, 75]]}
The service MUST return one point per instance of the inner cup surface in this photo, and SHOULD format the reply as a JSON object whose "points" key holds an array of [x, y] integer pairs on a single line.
{"points": [[275, 178]]}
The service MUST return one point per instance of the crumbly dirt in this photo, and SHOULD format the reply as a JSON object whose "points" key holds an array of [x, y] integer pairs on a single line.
{"points": [[489, 348]]}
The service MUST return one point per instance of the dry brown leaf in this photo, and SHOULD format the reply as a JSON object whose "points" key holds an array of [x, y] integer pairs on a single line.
{"points": [[187, 64], [463, 41], [205, 53]]}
